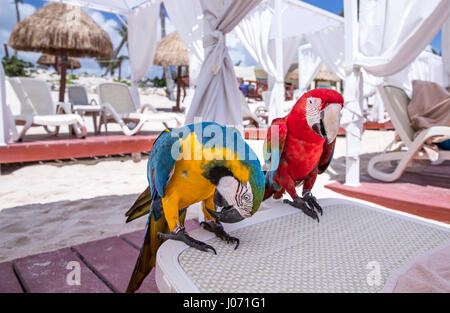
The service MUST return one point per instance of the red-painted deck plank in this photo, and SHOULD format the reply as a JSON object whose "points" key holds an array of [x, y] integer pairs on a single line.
{"points": [[9, 282], [47, 273], [114, 259], [137, 237], [64, 147], [45, 147], [425, 193], [429, 202]]}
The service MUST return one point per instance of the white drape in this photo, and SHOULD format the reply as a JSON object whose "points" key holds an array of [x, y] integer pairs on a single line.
{"points": [[445, 43], [187, 19], [142, 39], [308, 67], [393, 33], [4, 130], [427, 66], [328, 44], [254, 32], [217, 95]]}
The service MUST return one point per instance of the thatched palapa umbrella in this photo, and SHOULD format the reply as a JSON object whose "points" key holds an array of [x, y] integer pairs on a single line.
{"points": [[53, 60], [63, 30], [171, 51]]}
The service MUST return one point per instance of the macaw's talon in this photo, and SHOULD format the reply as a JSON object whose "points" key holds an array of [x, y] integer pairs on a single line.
{"points": [[217, 229], [180, 234], [312, 201], [299, 203]]}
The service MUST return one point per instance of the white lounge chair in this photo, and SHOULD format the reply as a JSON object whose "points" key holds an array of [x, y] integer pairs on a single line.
{"points": [[118, 107], [37, 108], [396, 103], [81, 105]]}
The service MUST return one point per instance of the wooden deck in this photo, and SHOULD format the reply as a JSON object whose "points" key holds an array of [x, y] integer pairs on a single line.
{"points": [[104, 265], [47, 147], [425, 194]]}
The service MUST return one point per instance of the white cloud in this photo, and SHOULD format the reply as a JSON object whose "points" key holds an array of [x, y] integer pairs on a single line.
{"points": [[238, 52], [7, 22]]}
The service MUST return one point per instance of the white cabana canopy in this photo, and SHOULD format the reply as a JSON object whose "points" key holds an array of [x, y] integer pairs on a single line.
{"points": [[272, 32]]}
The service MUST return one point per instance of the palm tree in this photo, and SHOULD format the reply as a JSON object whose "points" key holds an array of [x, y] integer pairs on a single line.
{"points": [[170, 84], [16, 2], [123, 31]]}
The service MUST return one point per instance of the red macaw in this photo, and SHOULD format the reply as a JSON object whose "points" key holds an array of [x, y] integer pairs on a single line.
{"points": [[306, 139]]}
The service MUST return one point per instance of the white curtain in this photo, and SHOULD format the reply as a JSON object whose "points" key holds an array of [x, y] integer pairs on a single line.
{"points": [[328, 44], [393, 33], [308, 67], [445, 43], [4, 129], [217, 97], [187, 19], [427, 66], [255, 31], [142, 40]]}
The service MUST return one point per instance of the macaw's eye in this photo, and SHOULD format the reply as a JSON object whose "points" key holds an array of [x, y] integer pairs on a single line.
{"points": [[246, 197]]}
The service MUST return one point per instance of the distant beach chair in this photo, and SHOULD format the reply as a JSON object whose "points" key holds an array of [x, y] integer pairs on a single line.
{"points": [[37, 108], [118, 107], [396, 103], [81, 105], [247, 115]]}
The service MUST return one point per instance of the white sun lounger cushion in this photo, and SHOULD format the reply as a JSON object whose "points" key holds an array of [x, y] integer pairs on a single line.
{"points": [[354, 248]]}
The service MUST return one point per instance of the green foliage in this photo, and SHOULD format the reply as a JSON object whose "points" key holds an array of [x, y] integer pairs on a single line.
{"points": [[70, 79], [16, 67], [159, 82], [123, 81]]}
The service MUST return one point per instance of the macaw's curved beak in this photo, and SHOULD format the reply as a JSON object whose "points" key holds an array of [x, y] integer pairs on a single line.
{"points": [[328, 127], [228, 214]]}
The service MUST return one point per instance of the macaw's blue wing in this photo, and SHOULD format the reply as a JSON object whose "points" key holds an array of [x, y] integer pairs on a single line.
{"points": [[165, 152], [327, 156]]}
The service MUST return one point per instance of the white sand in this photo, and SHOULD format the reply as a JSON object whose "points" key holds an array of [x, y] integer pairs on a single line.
{"points": [[53, 205]]}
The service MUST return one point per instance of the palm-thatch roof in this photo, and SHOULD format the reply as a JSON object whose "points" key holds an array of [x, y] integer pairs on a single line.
{"points": [[324, 74], [61, 29], [49, 60], [171, 51]]}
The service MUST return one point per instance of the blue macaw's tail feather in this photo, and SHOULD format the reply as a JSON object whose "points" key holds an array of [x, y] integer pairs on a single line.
{"points": [[147, 256], [140, 207], [156, 224]]}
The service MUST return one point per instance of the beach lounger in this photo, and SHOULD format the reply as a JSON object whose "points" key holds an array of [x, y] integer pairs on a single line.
{"points": [[118, 107], [354, 248], [396, 103], [37, 108], [81, 105], [247, 115]]}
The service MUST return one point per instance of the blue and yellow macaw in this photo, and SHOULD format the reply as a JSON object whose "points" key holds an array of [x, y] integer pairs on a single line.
{"points": [[203, 162]]}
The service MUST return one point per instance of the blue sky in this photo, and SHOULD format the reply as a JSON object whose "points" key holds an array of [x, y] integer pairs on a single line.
{"points": [[109, 22]]}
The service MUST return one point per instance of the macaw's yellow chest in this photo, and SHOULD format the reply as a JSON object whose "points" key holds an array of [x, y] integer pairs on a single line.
{"points": [[188, 183]]}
